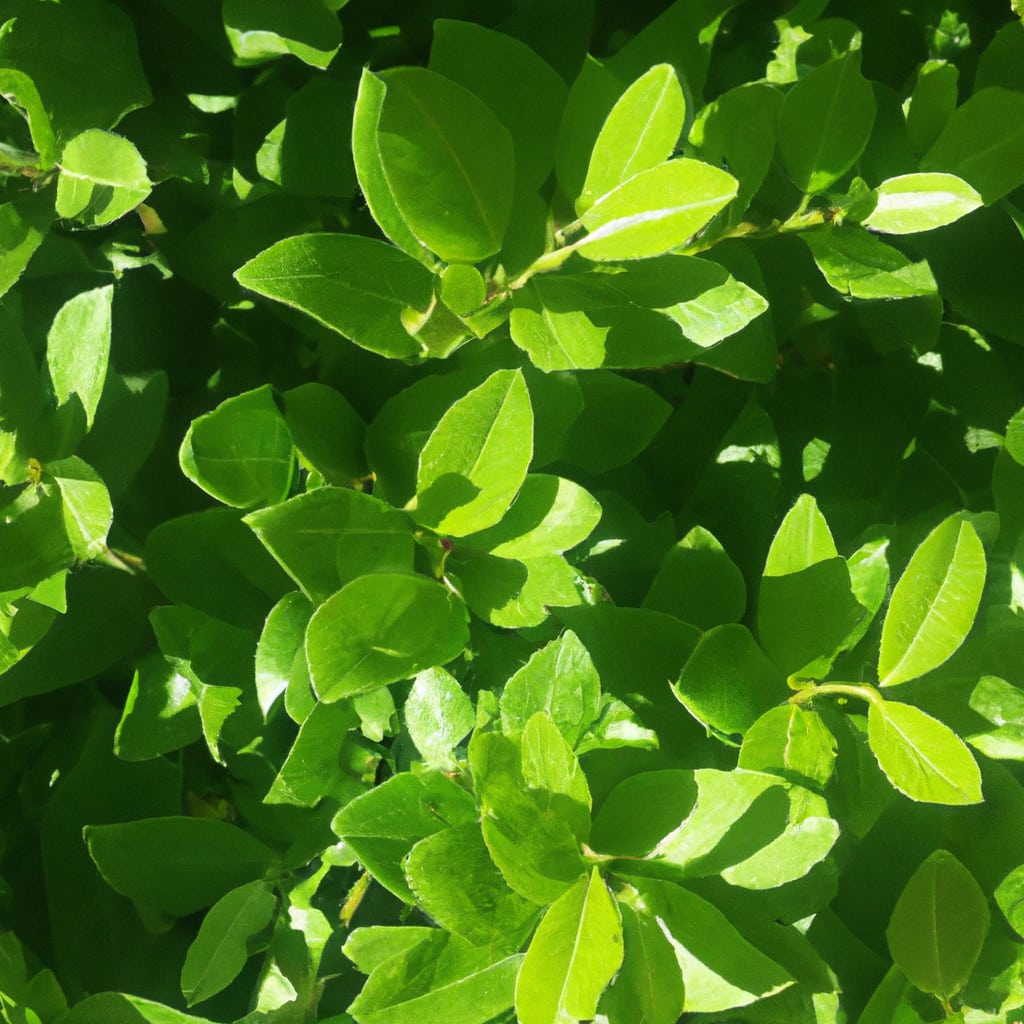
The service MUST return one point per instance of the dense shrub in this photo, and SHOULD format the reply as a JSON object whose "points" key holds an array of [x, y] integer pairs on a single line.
{"points": [[511, 511]]}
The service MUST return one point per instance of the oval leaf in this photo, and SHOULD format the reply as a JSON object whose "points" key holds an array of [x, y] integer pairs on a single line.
{"points": [[475, 461], [920, 202], [102, 177], [640, 132], [357, 286], [655, 211], [381, 628], [449, 162], [938, 926], [934, 603], [575, 952], [921, 757]]}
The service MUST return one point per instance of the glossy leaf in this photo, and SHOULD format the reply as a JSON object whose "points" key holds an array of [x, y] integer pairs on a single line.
{"points": [[938, 926], [924, 759], [438, 716], [803, 539], [359, 287], [825, 122], [88, 512], [330, 536], [920, 202], [241, 453], [933, 603], [655, 211], [280, 645], [476, 458], [1009, 896], [449, 163], [641, 131], [176, 864], [575, 952], [791, 742], [102, 177], [381, 628], [219, 950], [33, 542]]}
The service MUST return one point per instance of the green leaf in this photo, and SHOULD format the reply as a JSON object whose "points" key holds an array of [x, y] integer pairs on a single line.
{"points": [[33, 539], [549, 515], [77, 349], [463, 288], [1002, 706], [456, 883], [575, 952], [272, 28], [1014, 439], [921, 202], [803, 539], [329, 537], [381, 628], [728, 683], [931, 103], [438, 716], [102, 177], [160, 712], [790, 742], [559, 679], [721, 970], [698, 582], [327, 432], [449, 163], [476, 458], [88, 512], [520, 87], [219, 951], [241, 453], [641, 811], [175, 864], [655, 211], [370, 171], [118, 1008], [1009, 896], [983, 143], [640, 132], [857, 264], [649, 984], [933, 603], [383, 825], [924, 759], [825, 122], [938, 926], [24, 96], [552, 773], [22, 229], [359, 287]]}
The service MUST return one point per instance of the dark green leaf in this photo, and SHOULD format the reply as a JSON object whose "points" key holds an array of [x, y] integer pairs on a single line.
{"points": [[273, 28], [327, 432]]}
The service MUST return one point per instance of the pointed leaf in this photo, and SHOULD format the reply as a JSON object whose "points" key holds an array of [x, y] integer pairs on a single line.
{"points": [[575, 952], [641, 131], [803, 539], [921, 757], [219, 950], [921, 202], [933, 604], [938, 926], [476, 458], [308, 29], [655, 211], [790, 742], [359, 287]]}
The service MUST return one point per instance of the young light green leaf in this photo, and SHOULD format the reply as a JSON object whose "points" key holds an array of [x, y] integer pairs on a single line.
{"points": [[449, 162], [381, 628], [559, 679], [920, 202], [1001, 704], [933, 604], [106, 1007], [88, 512], [476, 458], [219, 950], [640, 132], [359, 287], [176, 864], [655, 211], [33, 540], [938, 926], [241, 453], [457, 884], [803, 539], [280, 644], [438, 716], [549, 515], [332, 535], [825, 123], [102, 177], [463, 288], [1010, 899], [983, 143], [698, 582], [924, 759], [78, 347], [790, 742], [575, 952], [308, 29], [22, 230]]}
